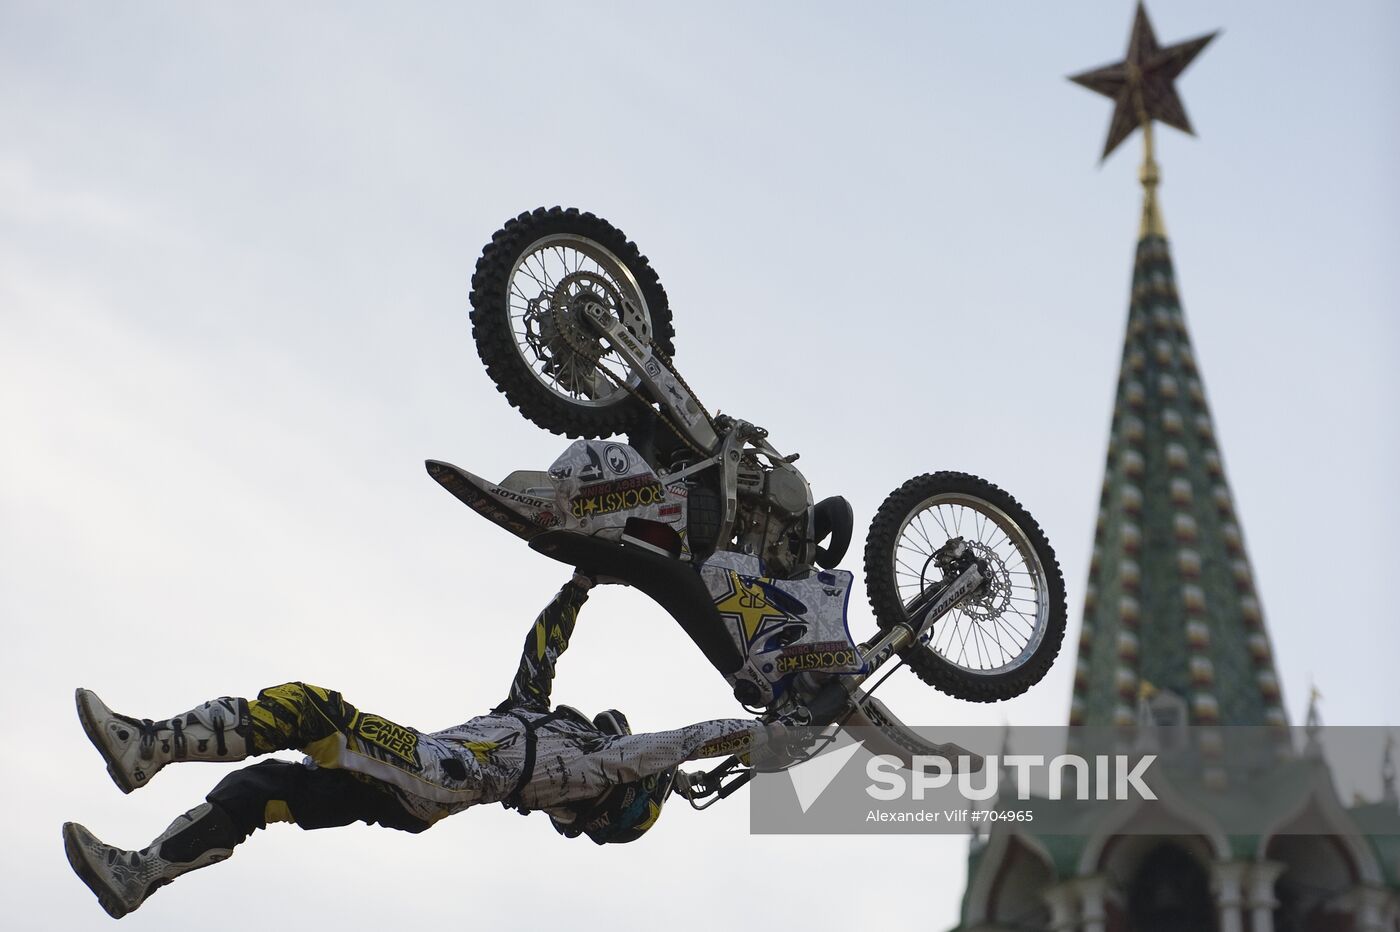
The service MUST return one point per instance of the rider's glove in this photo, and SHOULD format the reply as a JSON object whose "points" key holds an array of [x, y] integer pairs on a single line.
{"points": [[780, 747]]}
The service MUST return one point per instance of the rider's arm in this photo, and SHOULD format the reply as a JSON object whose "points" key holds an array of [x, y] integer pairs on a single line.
{"points": [[546, 641]]}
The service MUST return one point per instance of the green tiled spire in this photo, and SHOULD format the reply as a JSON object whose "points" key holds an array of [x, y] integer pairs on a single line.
{"points": [[1171, 605], [1172, 631]]}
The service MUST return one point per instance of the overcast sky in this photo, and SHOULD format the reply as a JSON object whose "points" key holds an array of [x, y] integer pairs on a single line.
{"points": [[235, 247]]}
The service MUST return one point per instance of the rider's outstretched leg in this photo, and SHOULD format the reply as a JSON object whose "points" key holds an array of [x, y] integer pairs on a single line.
{"points": [[244, 801], [302, 717], [292, 716], [123, 879], [311, 797], [135, 749]]}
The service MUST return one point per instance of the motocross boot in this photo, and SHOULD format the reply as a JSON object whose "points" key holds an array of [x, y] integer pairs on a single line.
{"points": [[135, 749], [123, 879]]}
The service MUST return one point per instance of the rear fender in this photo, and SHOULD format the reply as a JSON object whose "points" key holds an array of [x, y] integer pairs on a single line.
{"points": [[594, 488], [524, 515]]}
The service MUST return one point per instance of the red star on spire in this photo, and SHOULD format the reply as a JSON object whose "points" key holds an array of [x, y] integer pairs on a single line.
{"points": [[1141, 85]]}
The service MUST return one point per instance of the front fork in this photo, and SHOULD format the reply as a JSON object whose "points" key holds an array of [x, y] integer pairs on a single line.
{"points": [[924, 610], [832, 698]]}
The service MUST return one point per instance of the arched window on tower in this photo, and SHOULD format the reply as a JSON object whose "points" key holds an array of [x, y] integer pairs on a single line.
{"points": [[1316, 876], [1171, 892]]}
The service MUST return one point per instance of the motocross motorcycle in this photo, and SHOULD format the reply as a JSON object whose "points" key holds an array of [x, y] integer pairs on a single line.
{"points": [[703, 514]]}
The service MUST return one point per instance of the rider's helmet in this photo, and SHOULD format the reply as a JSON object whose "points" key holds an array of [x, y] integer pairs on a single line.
{"points": [[625, 811]]}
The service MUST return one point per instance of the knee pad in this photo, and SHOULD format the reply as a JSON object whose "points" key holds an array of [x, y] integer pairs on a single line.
{"points": [[293, 715], [245, 793]]}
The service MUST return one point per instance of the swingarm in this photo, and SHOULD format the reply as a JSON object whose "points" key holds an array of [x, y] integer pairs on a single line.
{"points": [[663, 383]]}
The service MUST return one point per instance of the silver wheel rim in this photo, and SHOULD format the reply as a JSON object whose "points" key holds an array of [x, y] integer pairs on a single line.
{"points": [[550, 279], [999, 629]]}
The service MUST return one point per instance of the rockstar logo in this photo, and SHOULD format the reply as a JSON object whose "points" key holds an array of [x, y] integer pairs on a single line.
{"points": [[746, 603]]}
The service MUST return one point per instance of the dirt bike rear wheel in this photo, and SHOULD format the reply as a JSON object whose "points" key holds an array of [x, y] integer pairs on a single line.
{"points": [[528, 292], [997, 642]]}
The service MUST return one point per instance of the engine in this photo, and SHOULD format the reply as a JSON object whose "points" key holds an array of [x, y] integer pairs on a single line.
{"points": [[775, 517]]}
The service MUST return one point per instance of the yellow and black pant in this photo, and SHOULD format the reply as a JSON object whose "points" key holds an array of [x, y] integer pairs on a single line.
{"points": [[297, 716], [275, 790]]}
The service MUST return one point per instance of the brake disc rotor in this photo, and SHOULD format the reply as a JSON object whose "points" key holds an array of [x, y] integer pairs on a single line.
{"points": [[993, 598], [555, 327]]}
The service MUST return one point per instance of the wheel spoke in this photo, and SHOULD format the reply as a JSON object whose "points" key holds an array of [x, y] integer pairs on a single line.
{"points": [[996, 627], [563, 351], [923, 532]]}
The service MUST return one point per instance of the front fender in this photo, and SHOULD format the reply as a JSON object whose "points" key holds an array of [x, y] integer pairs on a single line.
{"points": [[890, 736]]}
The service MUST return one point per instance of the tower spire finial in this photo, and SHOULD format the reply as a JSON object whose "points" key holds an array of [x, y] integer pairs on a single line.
{"points": [[1143, 90], [1312, 725], [1150, 175]]}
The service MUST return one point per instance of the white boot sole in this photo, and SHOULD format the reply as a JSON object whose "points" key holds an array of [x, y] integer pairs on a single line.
{"points": [[89, 873], [90, 718]]}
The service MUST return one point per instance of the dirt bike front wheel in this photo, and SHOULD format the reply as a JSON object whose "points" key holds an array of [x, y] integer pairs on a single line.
{"points": [[528, 296], [998, 641]]}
